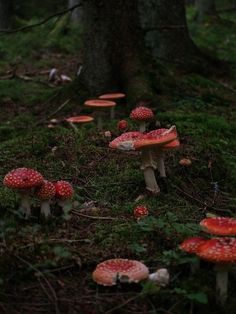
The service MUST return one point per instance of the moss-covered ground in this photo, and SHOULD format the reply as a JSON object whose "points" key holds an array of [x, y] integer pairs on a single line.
{"points": [[45, 267]]}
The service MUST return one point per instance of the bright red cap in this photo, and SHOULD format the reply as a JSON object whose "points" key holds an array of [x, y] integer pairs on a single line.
{"points": [[140, 212], [46, 191], [185, 162], [112, 96], [218, 250], [191, 245], [122, 125], [107, 272], [219, 225], [99, 103], [141, 114], [126, 140], [23, 178], [64, 190], [80, 119]]}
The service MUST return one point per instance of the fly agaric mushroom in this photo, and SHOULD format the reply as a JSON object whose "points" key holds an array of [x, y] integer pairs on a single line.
{"points": [[64, 193], [45, 192], [78, 120], [23, 180], [222, 252], [142, 115], [185, 162], [223, 226], [122, 126], [109, 272], [114, 97], [98, 105], [140, 212]]}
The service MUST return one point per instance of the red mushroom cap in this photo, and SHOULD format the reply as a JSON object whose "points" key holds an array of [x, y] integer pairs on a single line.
{"points": [[46, 191], [141, 114], [218, 250], [112, 96], [219, 225], [80, 119], [122, 125], [64, 190], [140, 212], [191, 245], [23, 178], [107, 272], [99, 103], [126, 140], [185, 162]]}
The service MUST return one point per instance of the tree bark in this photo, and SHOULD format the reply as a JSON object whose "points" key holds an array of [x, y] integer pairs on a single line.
{"points": [[76, 14], [5, 14], [205, 8]]}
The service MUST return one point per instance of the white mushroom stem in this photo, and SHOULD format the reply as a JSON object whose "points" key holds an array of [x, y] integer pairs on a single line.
{"points": [[161, 163], [112, 113], [142, 126], [221, 283], [25, 206], [45, 208], [99, 121], [148, 167], [73, 127], [65, 205]]}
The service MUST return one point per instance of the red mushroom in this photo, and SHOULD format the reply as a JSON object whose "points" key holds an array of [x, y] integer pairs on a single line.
{"points": [[64, 193], [23, 180], [142, 115], [78, 120], [109, 272], [114, 97], [45, 193], [140, 212], [122, 126], [224, 226], [222, 252]]}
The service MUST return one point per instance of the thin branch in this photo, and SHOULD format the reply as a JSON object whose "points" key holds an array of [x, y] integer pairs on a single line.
{"points": [[24, 28]]}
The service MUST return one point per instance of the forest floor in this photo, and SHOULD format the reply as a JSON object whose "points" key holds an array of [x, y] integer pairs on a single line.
{"points": [[46, 267]]}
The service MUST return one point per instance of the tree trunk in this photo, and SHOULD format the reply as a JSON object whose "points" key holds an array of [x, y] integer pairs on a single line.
{"points": [[114, 48], [5, 14], [167, 34], [76, 14], [205, 8]]}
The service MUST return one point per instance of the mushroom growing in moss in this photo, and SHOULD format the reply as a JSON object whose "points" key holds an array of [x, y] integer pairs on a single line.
{"points": [[64, 193], [45, 193]]}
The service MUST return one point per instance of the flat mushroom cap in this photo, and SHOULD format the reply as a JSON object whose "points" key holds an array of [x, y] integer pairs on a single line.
{"points": [[46, 191], [218, 250], [140, 211], [80, 119], [126, 140], [112, 96], [191, 245], [219, 225], [107, 272], [141, 113], [23, 178], [99, 103], [64, 190]]}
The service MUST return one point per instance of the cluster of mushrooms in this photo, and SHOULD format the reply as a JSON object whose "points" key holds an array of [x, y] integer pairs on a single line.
{"points": [[220, 250], [30, 183]]}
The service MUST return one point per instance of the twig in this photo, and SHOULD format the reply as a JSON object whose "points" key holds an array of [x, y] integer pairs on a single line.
{"points": [[76, 212], [59, 108], [24, 28]]}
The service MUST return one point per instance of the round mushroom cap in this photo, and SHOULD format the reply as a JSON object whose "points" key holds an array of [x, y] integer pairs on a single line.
{"points": [[219, 225], [141, 113], [22, 178], [218, 250], [64, 190], [112, 96], [140, 212], [108, 272], [185, 162], [80, 119], [45, 191], [126, 140], [99, 103], [191, 245], [122, 125]]}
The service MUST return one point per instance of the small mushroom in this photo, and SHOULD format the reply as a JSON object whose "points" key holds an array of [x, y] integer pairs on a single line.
{"points": [[78, 120], [109, 272], [45, 193], [142, 115], [64, 193], [23, 180], [114, 97], [140, 212], [161, 277], [122, 126], [185, 162]]}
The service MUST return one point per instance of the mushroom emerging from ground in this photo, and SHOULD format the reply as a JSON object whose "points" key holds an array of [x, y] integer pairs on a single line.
{"points": [[109, 272], [64, 193], [78, 120], [161, 277], [142, 115], [223, 226], [222, 252], [140, 212], [185, 162], [114, 97], [99, 105], [45, 193], [23, 180], [145, 144], [122, 126]]}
